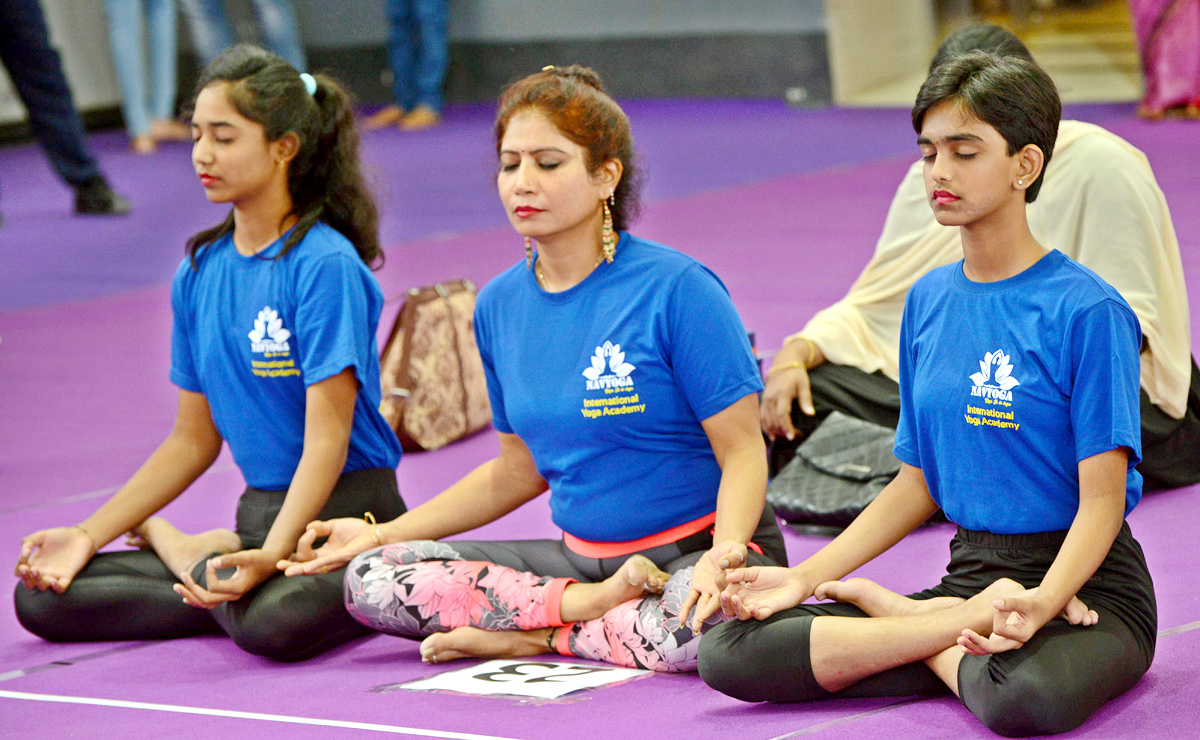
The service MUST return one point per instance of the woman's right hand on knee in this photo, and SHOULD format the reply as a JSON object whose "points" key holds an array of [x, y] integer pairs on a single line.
{"points": [[344, 538], [51, 558], [760, 591]]}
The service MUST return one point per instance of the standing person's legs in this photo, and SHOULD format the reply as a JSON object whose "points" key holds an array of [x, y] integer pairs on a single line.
{"points": [[433, 18], [281, 32], [400, 62], [126, 38], [402, 52], [37, 74], [429, 52], [38, 77], [211, 30], [162, 24]]}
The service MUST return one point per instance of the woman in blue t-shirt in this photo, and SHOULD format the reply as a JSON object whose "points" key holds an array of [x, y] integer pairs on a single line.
{"points": [[622, 381], [1019, 419], [273, 349]]}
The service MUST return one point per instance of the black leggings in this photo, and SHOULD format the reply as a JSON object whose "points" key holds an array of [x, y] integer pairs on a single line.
{"points": [[1170, 447], [1052, 684], [129, 596]]}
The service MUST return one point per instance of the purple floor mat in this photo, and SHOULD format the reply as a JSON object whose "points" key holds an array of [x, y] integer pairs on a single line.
{"points": [[785, 205]]}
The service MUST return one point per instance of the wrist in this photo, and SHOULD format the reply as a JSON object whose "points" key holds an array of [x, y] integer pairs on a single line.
{"points": [[792, 351], [95, 544], [273, 554], [798, 351]]}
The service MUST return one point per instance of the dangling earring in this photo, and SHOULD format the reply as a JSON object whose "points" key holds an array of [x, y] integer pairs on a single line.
{"points": [[528, 253], [608, 238]]}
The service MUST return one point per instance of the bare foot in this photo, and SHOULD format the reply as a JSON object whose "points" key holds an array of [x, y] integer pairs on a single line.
{"points": [[420, 118], [384, 117], [167, 129], [181, 552], [472, 642], [878, 601], [638, 576], [1149, 112], [143, 144]]}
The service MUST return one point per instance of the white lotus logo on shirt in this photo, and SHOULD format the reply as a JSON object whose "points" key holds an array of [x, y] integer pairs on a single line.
{"points": [[1003, 379], [608, 355], [616, 362], [268, 324]]}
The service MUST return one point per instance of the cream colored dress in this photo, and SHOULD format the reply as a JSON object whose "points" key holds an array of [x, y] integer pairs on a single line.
{"points": [[1099, 204]]}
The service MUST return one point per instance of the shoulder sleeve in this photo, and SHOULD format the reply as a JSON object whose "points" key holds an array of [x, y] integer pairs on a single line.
{"points": [[710, 353], [335, 298], [183, 365], [484, 339], [908, 444], [1105, 397]]}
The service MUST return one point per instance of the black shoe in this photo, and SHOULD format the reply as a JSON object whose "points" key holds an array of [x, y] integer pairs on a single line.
{"points": [[96, 198]]}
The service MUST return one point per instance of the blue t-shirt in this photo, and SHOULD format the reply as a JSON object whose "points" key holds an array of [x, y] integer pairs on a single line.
{"points": [[1006, 386], [607, 384], [252, 333]]}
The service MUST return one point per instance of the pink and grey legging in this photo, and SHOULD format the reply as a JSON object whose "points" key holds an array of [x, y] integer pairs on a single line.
{"points": [[414, 589]]}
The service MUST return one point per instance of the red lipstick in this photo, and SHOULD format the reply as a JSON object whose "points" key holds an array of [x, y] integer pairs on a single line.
{"points": [[944, 196], [526, 211]]}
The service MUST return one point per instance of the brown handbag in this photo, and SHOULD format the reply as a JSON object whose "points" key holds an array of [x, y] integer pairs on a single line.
{"points": [[434, 390]]}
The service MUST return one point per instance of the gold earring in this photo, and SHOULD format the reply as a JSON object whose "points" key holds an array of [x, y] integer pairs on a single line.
{"points": [[608, 238], [528, 253]]}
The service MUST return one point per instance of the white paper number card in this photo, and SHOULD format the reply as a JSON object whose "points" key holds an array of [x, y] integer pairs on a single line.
{"points": [[530, 678]]}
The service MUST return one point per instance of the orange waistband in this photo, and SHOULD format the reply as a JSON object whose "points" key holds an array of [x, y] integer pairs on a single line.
{"points": [[600, 550]]}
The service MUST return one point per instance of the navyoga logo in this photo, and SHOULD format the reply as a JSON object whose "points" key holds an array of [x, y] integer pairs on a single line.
{"points": [[1001, 382], [609, 356], [269, 334]]}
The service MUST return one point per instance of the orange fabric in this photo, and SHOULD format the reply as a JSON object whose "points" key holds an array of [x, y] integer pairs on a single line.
{"points": [[599, 550], [553, 603], [562, 640]]}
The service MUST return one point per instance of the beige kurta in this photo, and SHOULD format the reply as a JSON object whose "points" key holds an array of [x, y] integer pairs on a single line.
{"points": [[1099, 204]]}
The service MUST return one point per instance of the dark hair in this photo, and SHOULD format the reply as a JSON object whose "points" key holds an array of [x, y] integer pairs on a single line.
{"points": [[980, 37], [575, 101], [1012, 95], [325, 179]]}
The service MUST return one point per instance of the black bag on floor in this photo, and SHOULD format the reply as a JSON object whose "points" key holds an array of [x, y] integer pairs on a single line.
{"points": [[836, 472]]}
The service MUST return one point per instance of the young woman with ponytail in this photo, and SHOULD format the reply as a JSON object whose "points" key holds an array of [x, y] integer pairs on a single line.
{"points": [[274, 352]]}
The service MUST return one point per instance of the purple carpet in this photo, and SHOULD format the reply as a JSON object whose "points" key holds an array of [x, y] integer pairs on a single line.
{"points": [[784, 204]]}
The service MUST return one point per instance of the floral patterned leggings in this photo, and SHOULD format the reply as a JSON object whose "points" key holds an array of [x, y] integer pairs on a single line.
{"points": [[414, 589]]}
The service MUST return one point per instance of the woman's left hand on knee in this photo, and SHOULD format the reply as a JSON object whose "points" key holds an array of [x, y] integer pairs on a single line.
{"points": [[252, 567], [1016, 620]]}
